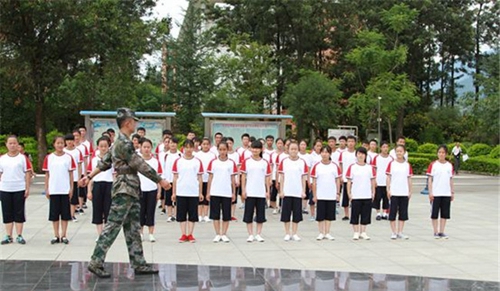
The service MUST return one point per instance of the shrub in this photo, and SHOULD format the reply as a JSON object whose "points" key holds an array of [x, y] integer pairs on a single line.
{"points": [[452, 145], [427, 148], [429, 157], [50, 139], [482, 165], [411, 145], [495, 153], [419, 165], [479, 149]]}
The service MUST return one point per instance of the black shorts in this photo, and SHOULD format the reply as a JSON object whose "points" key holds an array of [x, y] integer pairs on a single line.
{"points": [[399, 207], [257, 206], [291, 206], [74, 197], [325, 210], [441, 205], [204, 193], [59, 208], [381, 194], [82, 192], [101, 201], [13, 206], [167, 195], [148, 208], [274, 191], [237, 190], [187, 208], [345, 197], [361, 211], [217, 204]]}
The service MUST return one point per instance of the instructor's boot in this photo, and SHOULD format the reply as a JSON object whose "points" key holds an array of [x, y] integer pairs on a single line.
{"points": [[98, 271], [145, 270]]}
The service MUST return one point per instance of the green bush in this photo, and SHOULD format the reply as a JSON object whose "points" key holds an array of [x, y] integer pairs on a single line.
{"points": [[481, 165], [50, 139], [419, 165], [495, 153], [452, 145], [30, 146], [479, 149], [429, 157], [427, 148], [411, 145]]}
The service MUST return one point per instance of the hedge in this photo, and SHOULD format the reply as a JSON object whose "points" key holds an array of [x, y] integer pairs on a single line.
{"points": [[411, 145], [427, 148], [481, 165], [479, 149], [495, 153], [419, 165]]}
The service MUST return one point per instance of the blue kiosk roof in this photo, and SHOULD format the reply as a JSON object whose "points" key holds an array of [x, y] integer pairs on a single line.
{"points": [[138, 113], [244, 116]]}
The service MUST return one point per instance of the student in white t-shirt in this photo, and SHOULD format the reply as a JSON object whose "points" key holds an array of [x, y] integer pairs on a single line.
{"points": [[303, 154], [399, 173], [233, 155], [167, 159], [372, 150], [280, 157], [326, 176], [380, 162], [441, 191], [401, 141], [269, 144], [217, 139], [150, 191], [58, 167], [99, 188], [205, 156], [85, 150], [160, 151], [347, 158], [274, 190], [71, 149], [293, 173], [221, 191], [187, 189], [361, 190], [255, 183], [15, 178]]}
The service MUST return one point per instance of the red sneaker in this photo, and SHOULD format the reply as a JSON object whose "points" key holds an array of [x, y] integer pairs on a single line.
{"points": [[184, 238], [191, 238], [233, 218]]}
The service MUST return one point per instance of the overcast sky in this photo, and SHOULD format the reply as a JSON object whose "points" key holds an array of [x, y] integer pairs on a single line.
{"points": [[174, 9]]}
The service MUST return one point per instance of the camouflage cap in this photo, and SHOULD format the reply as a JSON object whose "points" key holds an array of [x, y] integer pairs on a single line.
{"points": [[124, 113]]}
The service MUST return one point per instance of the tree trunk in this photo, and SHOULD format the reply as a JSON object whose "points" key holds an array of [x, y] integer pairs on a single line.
{"points": [[390, 130], [477, 53], [452, 83], [443, 81], [40, 130], [400, 122]]}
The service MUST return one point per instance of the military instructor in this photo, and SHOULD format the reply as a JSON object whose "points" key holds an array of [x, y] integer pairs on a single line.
{"points": [[125, 205]]}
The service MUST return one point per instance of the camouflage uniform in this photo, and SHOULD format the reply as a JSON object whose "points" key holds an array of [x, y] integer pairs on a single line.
{"points": [[125, 205]]}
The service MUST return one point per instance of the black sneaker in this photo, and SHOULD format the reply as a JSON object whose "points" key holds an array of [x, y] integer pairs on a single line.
{"points": [[20, 240], [345, 218], [378, 217], [84, 206], [305, 211], [64, 240], [385, 217], [6, 240], [55, 240], [98, 271], [145, 270]]}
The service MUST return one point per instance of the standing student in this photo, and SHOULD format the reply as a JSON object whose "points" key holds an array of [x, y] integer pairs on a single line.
{"points": [[71, 149], [245, 144], [441, 191], [316, 151], [217, 139], [58, 167], [342, 144], [234, 156], [399, 173], [112, 135], [168, 158], [361, 190], [84, 140], [372, 150], [303, 154], [163, 147], [187, 190], [85, 150], [274, 189], [99, 189], [380, 162], [326, 177], [400, 141], [347, 158], [255, 183], [136, 142], [457, 153], [293, 173], [280, 157], [141, 131], [150, 190], [269, 145], [221, 191], [205, 156], [15, 178], [160, 155]]}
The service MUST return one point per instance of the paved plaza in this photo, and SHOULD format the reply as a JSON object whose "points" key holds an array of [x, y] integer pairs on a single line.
{"points": [[471, 252]]}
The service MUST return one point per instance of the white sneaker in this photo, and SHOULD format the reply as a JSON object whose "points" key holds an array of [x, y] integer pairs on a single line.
{"points": [[329, 237], [242, 206], [320, 236], [275, 211], [355, 236], [217, 239], [364, 236], [287, 237], [312, 218], [296, 237], [169, 219], [224, 238], [394, 236], [403, 236], [207, 219], [250, 238], [96, 239], [152, 238], [200, 218], [259, 238], [142, 237]]}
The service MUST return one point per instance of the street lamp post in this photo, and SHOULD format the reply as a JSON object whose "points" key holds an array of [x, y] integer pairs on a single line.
{"points": [[379, 120]]}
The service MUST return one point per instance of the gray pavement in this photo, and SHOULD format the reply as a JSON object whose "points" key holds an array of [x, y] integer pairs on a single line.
{"points": [[472, 252]]}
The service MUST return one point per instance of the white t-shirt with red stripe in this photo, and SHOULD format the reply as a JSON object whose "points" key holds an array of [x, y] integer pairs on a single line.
{"points": [[59, 168], [256, 172], [205, 158], [380, 163], [13, 170], [325, 176], [187, 182], [293, 172], [235, 157], [78, 157], [146, 184], [277, 161], [89, 146], [106, 176], [399, 173], [244, 154], [441, 174], [167, 162], [222, 173], [361, 177], [85, 153], [346, 159]]}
